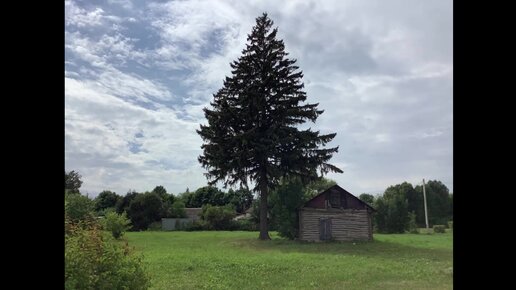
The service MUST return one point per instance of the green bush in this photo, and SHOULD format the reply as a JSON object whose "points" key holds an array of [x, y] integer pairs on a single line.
{"points": [[145, 209], [391, 213], [94, 260], [244, 225], [104, 212], [182, 225], [197, 225], [412, 223], [117, 224], [439, 228], [155, 226], [177, 210], [450, 225], [78, 207], [218, 217], [440, 221], [285, 200]]}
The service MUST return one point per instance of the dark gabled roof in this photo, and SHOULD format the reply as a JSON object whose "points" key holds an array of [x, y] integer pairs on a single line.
{"points": [[343, 190]]}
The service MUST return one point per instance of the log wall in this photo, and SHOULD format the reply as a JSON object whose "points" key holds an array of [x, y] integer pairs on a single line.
{"points": [[346, 224]]}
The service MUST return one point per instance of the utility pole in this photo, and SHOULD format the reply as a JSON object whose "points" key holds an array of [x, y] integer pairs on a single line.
{"points": [[426, 213]]}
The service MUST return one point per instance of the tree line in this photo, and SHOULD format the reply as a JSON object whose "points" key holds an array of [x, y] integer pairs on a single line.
{"points": [[145, 208], [399, 208]]}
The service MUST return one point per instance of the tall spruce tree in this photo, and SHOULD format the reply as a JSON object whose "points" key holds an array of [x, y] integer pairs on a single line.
{"points": [[251, 134]]}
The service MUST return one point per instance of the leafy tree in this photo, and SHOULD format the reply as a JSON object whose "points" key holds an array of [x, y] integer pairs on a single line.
{"points": [[252, 131], [415, 202], [167, 199], [78, 207], [318, 186], [72, 182], [405, 191], [380, 217], [162, 192], [397, 214], [122, 205], [117, 224], [218, 217], [392, 210], [183, 196], [368, 198], [402, 189], [177, 210], [285, 201], [205, 195], [450, 212], [241, 199], [412, 223], [144, 209], [106, 199], [437, 200]]}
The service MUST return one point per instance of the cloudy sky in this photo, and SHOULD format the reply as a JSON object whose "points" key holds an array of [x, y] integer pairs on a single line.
{"points": [[138, 73]]}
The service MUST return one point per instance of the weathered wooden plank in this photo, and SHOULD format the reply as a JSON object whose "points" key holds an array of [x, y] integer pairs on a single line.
{"points": [[347, 224]]}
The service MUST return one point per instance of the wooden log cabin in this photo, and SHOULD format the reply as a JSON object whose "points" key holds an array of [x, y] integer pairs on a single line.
{"points": [[335, 214]]}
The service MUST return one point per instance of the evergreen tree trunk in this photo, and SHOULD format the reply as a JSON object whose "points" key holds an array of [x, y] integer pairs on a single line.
{"points": [[264, 229]]}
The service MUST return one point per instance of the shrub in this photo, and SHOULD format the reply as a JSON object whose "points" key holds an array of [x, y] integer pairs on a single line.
{"points": [[106, 199], [244, 225], [104, 212], [285, 201], [181, 224], [391, 214], [94, 260], [177, 210], [412, 223], [155, 226], [78, 207], [197, 225], [218, 217], [117, 224], [440, 221], [241, 199], [145, 209], [439, 228], [450, 225]]}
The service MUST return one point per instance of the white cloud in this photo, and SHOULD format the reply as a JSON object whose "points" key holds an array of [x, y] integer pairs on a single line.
{"points": [[127, 4], [102, 56], [99, 127], [382, 71], [80, 17], [123, 84], [187, 21], [105, 50]]}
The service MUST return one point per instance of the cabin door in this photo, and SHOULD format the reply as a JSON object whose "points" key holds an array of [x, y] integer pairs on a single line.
{"points": [[325, 229]]}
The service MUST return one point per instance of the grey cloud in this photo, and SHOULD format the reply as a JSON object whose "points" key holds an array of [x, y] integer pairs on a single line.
{"points": [[381, 70]]}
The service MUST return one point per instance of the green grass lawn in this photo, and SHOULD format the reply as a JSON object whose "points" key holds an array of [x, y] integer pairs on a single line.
{"points": [[238, 260]]}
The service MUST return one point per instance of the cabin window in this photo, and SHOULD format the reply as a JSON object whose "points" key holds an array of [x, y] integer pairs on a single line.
{"points": [[335, 199]]}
